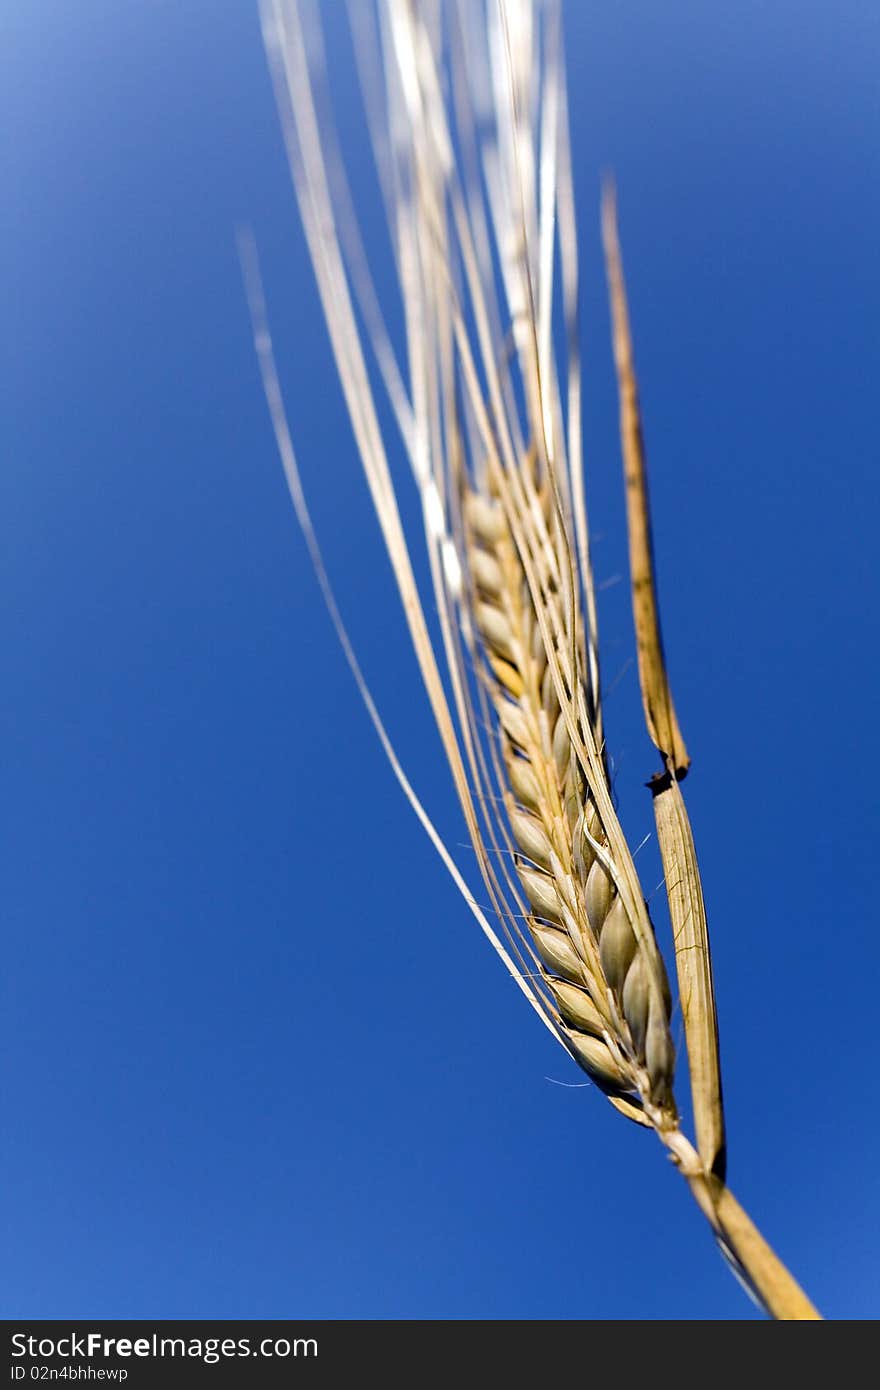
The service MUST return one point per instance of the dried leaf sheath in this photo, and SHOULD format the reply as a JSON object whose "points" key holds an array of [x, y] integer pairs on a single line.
{"points": [[683, 885], [749, 1254]]}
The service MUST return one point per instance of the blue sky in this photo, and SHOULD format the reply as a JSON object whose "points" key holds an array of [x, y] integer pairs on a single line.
{"points": [[258, 1062]]}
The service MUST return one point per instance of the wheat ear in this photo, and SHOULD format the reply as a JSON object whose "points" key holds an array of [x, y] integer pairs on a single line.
{"points": [[470, 129], [598, 956]]}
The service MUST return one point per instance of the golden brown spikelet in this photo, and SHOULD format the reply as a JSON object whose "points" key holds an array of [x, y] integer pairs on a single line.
{"points": [[577, 917]]}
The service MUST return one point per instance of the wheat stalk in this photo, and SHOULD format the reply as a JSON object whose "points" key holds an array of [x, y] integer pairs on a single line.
{"points": [[468, 116]]}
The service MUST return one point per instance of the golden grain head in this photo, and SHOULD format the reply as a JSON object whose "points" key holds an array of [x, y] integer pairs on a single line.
{"points": [[467, 110]]}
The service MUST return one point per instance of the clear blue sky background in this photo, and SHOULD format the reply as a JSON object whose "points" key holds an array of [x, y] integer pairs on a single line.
{"points": [[257, 1060]]}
